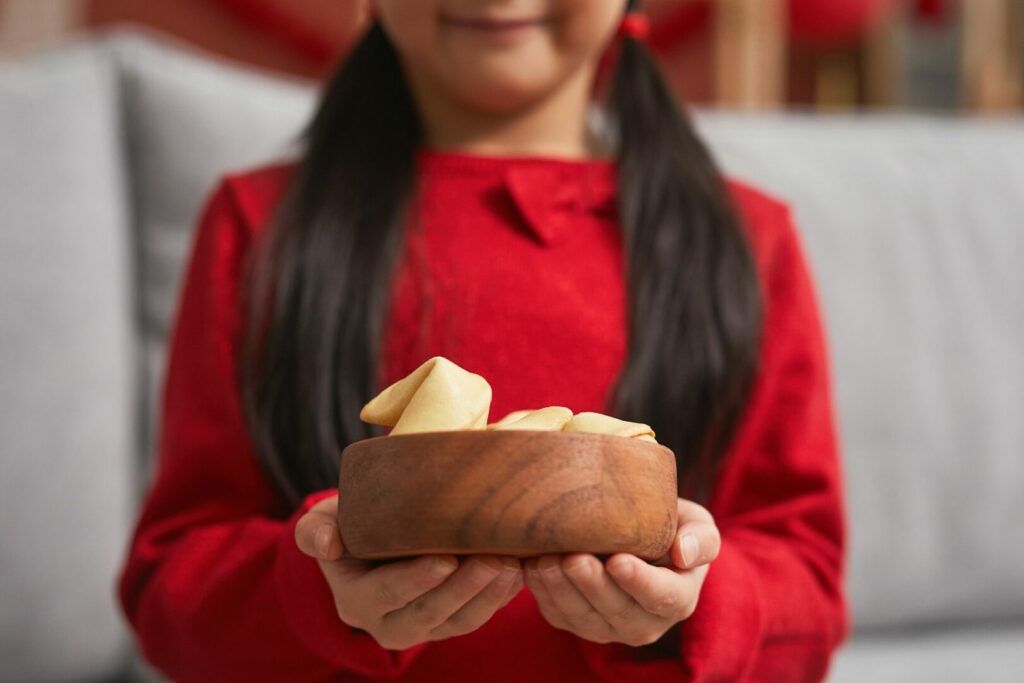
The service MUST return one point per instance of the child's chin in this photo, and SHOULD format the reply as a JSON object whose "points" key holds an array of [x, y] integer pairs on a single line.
{"points": [[497, 86]]}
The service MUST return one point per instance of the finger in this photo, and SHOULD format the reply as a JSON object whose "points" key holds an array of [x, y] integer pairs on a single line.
{"points": [[482, 607], [697, 541], [664, 592], [380, 590], [615, 605], [316, 532], [696, 544], [540, 593], [434, 607], [688, 511], [515, 588], [570, 601]]}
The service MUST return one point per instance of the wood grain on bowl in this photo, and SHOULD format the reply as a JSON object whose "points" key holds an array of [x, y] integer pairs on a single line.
{"points": [[519, 493]]}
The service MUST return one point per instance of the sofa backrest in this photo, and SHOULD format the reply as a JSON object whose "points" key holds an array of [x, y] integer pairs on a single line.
{"points": [[913, 228], [912, 225], [67, 361], [188, 120], [915, 231]]}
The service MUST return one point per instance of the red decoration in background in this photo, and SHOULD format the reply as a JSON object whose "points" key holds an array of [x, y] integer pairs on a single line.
{"points": [[824, 22], [269, 18], [691, 18], [317, 32], [934, 11], [834, 22]]}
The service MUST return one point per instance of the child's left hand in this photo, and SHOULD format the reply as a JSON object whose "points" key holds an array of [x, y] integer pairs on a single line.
{"points": [[627, 600]]}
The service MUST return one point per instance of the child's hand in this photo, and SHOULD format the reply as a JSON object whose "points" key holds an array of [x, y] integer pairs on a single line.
{"points": [[409, 602], [627, 600]]}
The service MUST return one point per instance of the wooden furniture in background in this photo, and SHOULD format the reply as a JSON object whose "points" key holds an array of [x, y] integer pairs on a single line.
{"points": [[883, 61], [992, 55], [865, 72], [750, 53]]}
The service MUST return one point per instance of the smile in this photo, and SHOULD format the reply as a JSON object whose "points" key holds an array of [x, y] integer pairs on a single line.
{"points": [[490, 26]]}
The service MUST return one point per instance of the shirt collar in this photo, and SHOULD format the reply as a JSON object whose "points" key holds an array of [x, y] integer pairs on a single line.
{"points": [[550, 194]]}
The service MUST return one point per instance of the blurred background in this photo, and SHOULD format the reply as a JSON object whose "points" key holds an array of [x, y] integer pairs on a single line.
{"points": [[825, 54], [893, 128]]}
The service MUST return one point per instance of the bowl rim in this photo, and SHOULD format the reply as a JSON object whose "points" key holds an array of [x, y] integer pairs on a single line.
{"points": [[512, 433]]}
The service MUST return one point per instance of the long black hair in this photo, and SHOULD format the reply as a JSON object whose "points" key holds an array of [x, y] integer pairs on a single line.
{"points": [[319, 284]]}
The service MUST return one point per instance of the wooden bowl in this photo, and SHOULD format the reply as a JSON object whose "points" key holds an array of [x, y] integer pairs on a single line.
{"points": [[520, 493]]}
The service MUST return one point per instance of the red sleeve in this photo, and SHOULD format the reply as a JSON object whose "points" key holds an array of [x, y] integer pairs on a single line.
{"points": [[213, 584], [772, 607]]}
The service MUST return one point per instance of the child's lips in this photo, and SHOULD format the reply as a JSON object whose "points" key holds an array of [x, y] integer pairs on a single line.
{"points": [[494, 25]]}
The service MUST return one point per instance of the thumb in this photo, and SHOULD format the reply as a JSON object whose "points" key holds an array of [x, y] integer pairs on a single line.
{"points": [[317, 533], [697, 540]]}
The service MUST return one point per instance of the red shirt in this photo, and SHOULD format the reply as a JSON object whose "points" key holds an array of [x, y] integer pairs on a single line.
{"points": [[521, 262]]}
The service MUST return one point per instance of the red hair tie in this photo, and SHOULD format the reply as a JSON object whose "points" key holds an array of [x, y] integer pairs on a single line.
{"points": [[634, 25]]}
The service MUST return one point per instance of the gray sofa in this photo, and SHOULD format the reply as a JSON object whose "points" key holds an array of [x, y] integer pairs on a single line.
{"points": [[915, 230]]}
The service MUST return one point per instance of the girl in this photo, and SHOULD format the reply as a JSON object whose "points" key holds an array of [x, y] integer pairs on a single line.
{"points": [[452, 200]]}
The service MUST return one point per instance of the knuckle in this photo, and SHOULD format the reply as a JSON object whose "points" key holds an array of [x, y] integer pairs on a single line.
{"points": [[666, 604], [458, 624], [385, 594], [348, 616], [577, 612], [588, 621], [621, 613], [480, 576], [425, 612]]}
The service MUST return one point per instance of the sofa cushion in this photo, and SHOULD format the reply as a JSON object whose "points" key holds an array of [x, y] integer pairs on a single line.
{"points": [[190, 119], [66, 428], [951, 654], [913, 226]]}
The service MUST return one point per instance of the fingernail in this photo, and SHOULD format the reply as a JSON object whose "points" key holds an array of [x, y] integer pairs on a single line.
{"points": [[485, 569], [623, 568], [581, 568], [322, 539], [690, 549], [540, 566], [441, 567]]}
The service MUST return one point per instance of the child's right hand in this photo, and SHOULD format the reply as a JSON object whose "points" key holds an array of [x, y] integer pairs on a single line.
{"points": [[405, 603]]}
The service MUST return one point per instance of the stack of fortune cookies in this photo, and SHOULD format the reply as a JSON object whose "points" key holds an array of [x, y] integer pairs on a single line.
{"points": [[441, 396]]}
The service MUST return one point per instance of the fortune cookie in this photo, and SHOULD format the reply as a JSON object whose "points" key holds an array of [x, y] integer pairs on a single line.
{"points": [[440, 396], [511, 417], [437, 396], [551, 418], [603, 424]]}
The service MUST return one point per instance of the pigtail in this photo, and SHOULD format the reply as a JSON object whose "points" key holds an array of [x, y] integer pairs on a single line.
{"points": [[319, 284], [695, 306]]}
